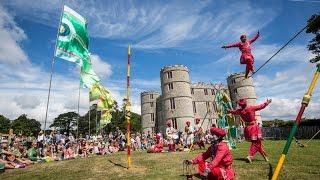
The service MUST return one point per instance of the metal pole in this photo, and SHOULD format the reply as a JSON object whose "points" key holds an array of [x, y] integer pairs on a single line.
{"points": [[52, 70], [89, 119], [78, 110], [96, 121], [304, 104]]}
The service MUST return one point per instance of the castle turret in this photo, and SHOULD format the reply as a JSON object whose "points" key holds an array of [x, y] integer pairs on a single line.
{"points": [[148, 111], [239, 88], [176, 96]]}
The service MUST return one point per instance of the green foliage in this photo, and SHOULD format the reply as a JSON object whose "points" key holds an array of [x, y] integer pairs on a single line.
{"points": [[5, 124], [118, 120], [314, 28], [25, 126], [94, 122], [65, 122]]}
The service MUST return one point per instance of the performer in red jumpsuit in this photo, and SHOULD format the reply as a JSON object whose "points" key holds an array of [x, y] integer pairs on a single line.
{"points": [[245, 48], [158, 147], [220, 167], [252, 131]]}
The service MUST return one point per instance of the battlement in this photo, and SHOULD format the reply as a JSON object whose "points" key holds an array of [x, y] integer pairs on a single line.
{"points": [[236, 74], [149, 92], [173, 67], [201, 85]]}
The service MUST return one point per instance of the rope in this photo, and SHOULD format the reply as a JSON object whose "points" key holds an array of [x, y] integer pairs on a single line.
{"points": [[279, 50]]}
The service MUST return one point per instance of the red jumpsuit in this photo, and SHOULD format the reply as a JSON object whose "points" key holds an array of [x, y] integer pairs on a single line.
{"points": [[246, 56], [220, 166], [252, 131], [157, 148]]}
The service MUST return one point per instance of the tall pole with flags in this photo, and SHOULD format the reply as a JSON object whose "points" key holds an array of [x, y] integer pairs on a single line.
{"points": [[52, 70], [128, 110]]}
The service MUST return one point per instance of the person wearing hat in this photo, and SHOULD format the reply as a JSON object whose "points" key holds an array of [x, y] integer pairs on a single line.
{"points": [[220, 166], [189, 130], [245, 48], [158, 147], [198, 133], [171, 134], [252, 131]]}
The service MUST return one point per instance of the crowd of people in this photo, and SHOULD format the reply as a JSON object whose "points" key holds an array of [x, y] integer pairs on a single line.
{"points": [[19, 151]]}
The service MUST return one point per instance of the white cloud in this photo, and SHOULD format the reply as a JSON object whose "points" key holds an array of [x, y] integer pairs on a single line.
{"points": [[157, 25], [11, 36], [102, 68], [283, 108]]}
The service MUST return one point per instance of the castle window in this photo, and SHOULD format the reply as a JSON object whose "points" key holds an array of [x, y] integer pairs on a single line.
{"points": [[172, 103], [194, 107], [151, 104], [170, 86], [152, 117], [233, 81], [174, 123], [208, 106], [151, 96], [205, 91], [192, 91], [212, 91], [235, 91], [169, 74]]}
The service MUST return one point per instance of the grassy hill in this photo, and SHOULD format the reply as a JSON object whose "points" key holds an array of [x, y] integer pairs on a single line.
{"points": [[301, 163]]}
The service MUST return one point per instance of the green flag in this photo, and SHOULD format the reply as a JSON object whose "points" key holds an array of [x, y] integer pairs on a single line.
{"points": [[105, 104], [73, 41], [88, 77]]}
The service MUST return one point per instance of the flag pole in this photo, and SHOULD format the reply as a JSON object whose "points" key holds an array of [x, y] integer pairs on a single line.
{"points": [[128, 110], [89, 118], [97, 120], [78, 110], [52, 71]]}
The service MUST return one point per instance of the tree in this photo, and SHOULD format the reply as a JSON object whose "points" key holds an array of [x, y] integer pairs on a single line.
{"points": [[314, 28], [84, 122], [65, 122], [25, 126], [5, 124]]}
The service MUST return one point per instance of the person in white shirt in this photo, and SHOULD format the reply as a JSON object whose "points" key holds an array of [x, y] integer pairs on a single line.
{"points": [[189, 130], [172, 135]]}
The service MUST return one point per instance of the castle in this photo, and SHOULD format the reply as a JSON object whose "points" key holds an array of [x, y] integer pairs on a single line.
{"points": [[182, 101]]}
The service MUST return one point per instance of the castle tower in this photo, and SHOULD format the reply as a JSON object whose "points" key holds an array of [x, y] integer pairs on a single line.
{"points": [[176, 96], [148, 111], [239, 88], [203, 103]]}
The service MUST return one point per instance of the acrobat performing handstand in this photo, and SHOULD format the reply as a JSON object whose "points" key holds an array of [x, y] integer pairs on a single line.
{"points": [[245, 48]]}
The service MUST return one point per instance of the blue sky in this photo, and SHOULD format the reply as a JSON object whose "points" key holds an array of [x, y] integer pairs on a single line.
{"points": [[161, 33]]}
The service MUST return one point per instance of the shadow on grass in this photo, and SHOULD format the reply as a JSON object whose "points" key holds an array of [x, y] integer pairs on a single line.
{"points": [[270, 171], [198, 176], [242, 159], [246, 160], [117, 164]]}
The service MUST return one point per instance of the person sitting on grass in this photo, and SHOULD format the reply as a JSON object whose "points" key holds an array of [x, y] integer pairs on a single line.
{"points": [[33, 152], [158, 147], [220, 166]]}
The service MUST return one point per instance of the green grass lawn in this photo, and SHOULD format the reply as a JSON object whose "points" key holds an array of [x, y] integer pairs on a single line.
{"points": [[301, 163]]}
